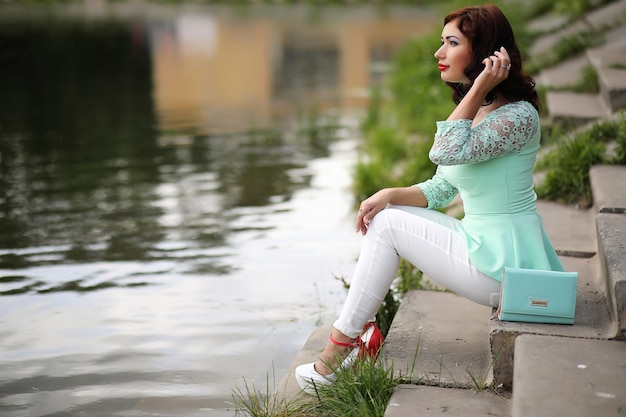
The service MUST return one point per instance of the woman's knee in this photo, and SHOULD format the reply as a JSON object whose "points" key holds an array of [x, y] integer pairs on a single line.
{"points": [[394, 216], [382, 220]]}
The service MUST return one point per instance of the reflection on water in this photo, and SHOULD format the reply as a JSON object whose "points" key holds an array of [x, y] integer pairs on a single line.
{"points": [[174, 196]]}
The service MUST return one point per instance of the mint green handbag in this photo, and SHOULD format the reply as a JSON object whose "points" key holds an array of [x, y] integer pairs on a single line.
{"points": [[537, 296]]}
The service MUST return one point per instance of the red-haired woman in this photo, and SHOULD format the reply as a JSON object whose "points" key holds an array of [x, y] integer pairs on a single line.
{"points": [[485, 151]]}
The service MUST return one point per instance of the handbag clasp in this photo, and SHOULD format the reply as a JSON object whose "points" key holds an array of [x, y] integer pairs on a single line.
{"points": [[539, 303]]}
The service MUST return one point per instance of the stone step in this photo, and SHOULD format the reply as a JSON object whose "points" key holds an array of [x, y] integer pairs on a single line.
{"points": [[439, 338], [613, 87], [616, 39], [607, 56], [611, 231], [609, 196], [576, 108], [609, 190], [547, 43], [610, 64], [426, 401], [611, 14], [562, 75], [564, 377]]}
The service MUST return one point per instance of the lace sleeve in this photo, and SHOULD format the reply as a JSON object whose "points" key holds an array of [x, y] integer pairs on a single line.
{"points": [[503, 131], [437, 190]]}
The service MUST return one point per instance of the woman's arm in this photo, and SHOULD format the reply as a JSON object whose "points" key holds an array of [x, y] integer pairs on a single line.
{"points": [[505, 130]]}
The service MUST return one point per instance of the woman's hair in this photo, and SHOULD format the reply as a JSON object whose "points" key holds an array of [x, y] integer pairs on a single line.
{"points": [[488, 29]]}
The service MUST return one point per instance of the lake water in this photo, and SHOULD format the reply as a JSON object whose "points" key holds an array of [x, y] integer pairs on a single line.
{"points": [[175, 195]]}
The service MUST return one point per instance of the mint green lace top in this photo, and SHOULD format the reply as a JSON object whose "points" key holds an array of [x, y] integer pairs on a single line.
{"points": [[491, 166]]}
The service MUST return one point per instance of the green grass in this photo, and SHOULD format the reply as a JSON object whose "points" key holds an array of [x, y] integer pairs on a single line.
{"points": [[619, 156], [252, 402], [567, 166], [363, 390]]}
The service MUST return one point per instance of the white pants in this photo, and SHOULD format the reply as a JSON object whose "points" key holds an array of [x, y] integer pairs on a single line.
{"points": [[427, 239]]}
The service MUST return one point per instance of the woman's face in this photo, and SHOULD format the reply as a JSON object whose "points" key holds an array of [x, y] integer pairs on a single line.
{"points": [[454, 55]]}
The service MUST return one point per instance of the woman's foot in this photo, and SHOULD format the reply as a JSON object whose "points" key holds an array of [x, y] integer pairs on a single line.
{"points": [[338, 348], [340, 352]]}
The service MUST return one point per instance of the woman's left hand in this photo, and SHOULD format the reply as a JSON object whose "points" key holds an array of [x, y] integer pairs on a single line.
{"points": [[370, 207]]}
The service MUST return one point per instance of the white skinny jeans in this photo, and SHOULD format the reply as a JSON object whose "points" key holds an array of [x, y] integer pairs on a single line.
{"points": [[427, 239]]}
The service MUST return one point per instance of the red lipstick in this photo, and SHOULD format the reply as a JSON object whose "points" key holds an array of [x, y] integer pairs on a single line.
{"points": [[443, 67]]}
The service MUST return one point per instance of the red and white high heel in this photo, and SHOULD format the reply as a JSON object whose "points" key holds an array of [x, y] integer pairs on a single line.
{"points": [[368, 344], [371, 341]]}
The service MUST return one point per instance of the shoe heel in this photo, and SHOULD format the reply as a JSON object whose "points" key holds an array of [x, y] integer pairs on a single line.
{"points": [[371, 341]]}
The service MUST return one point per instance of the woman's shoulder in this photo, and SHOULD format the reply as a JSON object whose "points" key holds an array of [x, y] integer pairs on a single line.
{"points": [[520, 108]]}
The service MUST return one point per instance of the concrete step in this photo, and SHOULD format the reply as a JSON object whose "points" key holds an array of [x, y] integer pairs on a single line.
{"points": [[611, 231], [613, 87], [439, 338], [609, 195], [576, 108], [563, 377], [562, 75], [616, 38], [425, 401], [611, 14], [607, 56], [547, 43], [609, 190], [610, 64]]}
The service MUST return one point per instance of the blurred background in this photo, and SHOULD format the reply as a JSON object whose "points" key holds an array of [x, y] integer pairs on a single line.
{"points": [[175, 194]]}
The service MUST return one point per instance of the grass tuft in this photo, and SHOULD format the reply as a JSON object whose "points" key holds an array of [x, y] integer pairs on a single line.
{"points": [[362, 391], [252, 402]]}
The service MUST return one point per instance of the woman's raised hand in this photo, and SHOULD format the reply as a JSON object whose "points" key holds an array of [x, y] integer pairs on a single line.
{"points": [[497, 67]]}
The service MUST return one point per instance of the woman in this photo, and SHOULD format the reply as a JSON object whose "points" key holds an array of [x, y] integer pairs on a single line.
{"points": [[485, 151]]}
